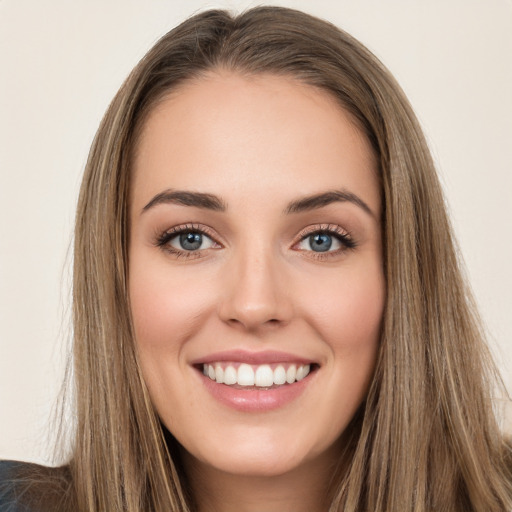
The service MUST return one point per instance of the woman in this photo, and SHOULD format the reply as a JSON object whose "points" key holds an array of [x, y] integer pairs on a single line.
{"points": [[268, 309]]}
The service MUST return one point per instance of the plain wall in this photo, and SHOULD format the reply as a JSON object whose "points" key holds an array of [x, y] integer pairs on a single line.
{"points": [[61, 63]]}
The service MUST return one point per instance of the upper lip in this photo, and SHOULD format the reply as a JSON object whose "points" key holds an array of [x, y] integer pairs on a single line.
{"points": [[243, 356]]}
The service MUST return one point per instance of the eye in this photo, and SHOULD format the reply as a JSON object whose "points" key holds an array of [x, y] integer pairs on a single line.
{"points": [[186, 241], [191, 241], [319, 242], [327, 239]]}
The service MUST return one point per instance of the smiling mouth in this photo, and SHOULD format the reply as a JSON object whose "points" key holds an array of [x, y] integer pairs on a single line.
{"points": [[256, 377]]}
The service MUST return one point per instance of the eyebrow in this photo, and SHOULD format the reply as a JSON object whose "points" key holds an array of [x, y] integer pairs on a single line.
{"points": [[215, 203], [185, 198], [325, 198]]}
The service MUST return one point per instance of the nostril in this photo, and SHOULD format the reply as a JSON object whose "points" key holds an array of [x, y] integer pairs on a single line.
{"points": [[254, 325]]}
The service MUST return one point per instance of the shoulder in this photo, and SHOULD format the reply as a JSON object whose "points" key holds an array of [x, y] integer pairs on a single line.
{"points": [[9, 487], [27, 487]]}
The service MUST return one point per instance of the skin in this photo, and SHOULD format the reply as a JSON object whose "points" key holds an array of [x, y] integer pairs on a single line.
{"points": [[258, 143]]}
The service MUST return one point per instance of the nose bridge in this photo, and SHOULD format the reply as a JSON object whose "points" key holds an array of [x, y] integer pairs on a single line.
{"points": [[255, 294]]}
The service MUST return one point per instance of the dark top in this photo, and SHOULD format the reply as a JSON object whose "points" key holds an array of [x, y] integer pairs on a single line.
{"points": [[11, 489], [27, 487]]}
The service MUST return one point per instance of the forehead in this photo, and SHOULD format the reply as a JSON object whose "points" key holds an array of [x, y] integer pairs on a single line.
{"points": [[228, 133]]}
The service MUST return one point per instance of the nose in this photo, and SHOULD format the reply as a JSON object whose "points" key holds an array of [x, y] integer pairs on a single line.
{"points": [[254, 295]]}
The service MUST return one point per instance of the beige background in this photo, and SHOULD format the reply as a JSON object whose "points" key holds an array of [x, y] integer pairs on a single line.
{"points": [[61, 63]]}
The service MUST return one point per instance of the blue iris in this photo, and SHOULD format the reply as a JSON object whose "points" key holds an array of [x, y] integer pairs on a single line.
{"points": [[320, 242], [191, 241]]}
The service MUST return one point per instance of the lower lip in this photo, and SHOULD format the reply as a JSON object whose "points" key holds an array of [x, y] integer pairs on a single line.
{"points": [[256, 400]]}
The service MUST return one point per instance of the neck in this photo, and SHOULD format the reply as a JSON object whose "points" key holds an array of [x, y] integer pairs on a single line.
{"points": [[304, 489]]}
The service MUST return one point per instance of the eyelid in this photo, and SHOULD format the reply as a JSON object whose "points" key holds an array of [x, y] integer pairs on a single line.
{"points": [[191, 226], [323, 228]]}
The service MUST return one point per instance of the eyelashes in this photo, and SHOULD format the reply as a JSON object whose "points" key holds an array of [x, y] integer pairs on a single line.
{"points": [[321, 241]]}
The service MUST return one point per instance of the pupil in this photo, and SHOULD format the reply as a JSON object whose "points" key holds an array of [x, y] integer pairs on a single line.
{"points": [[191, 241], [320, 242]]}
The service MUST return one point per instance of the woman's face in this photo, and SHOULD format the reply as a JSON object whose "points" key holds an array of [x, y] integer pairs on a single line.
{"points": [[255, 255]]}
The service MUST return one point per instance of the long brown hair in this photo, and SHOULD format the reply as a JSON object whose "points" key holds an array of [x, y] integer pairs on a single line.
{"points": [[426, 437]]}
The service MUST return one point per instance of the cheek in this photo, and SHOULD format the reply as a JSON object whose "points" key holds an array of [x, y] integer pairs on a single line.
{"points": [[165, 307], [165, 310], [347, 310], [349, 321]]}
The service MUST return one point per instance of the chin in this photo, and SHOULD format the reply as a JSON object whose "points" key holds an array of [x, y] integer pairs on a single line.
{"points": [[260, 465], [258, 454]]}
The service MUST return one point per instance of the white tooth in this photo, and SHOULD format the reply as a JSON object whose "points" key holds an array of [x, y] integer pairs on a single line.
{"points": [[245, 375], [230, 375], [205, 369], [302, 371], [211, 372], [291, 373], [219, 374], [264, 376], [279, 375], [307, 369]]}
